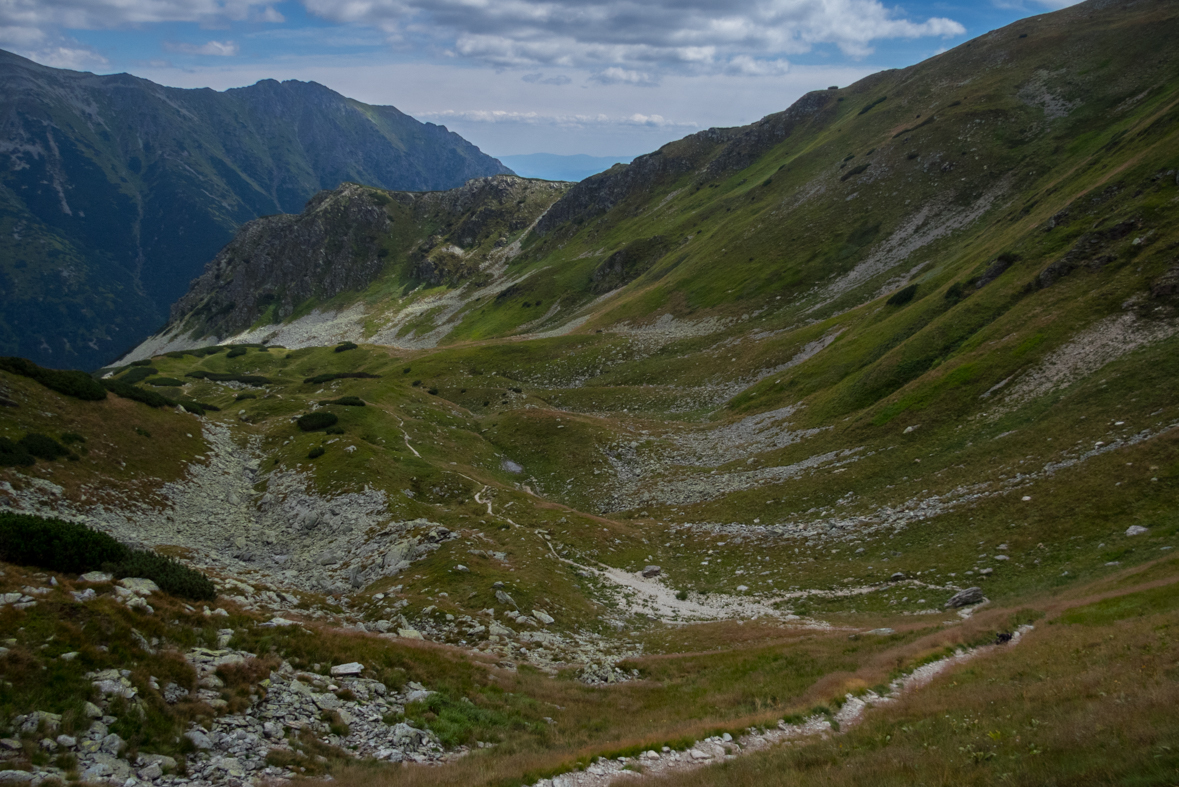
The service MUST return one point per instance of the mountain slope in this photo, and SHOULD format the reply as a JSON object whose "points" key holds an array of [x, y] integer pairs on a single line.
{"points": [[116, 191], [754, 436]]}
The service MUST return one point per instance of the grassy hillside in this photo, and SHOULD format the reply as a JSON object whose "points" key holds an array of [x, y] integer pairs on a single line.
{"points": [[908, 338]]}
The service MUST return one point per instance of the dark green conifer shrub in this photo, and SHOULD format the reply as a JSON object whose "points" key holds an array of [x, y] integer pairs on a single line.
{"points": [[138, 374], [901, 297], [77, 384], [14, 455], [317, 420], [348, 401], [346, 346], [324, 378], [162, 382], [150, 398], [315, 452], [42, 446], [57, 545]]}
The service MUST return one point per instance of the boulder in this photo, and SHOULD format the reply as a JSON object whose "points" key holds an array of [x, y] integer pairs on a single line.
{"points": [[965, 598], [347, 670], [1136, 530], [543, 617], [652, 571], [140, 586]]}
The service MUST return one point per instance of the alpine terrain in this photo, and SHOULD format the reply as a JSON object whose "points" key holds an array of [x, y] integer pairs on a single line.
{"points": [[115, 191], [836, 449]]}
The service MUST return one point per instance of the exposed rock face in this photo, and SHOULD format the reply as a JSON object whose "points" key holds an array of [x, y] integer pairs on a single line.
{"points": [[118, 190], [348, 237]]}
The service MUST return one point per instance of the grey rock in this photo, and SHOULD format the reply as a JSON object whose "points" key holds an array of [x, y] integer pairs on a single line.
{"points": [[16, 777], [652, 571], [897, 577], [504, 598], [350, 669], [965, 598], [1136, 530], [199, 739]]}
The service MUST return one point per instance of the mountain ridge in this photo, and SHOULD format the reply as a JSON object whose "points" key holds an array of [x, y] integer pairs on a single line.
{"points": [[116, 191]]}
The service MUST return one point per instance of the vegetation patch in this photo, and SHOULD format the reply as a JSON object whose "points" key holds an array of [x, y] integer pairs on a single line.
{"points": [[219, 377], [347, 401], [325, 378], [77, 384], [317, 420]]}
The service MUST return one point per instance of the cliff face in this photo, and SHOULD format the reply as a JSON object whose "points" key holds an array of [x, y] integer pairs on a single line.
{"points": [[115, 191], [349, 237]]}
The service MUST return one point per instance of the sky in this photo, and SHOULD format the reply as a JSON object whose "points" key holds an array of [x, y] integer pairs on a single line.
{"points": [[597, 77]]}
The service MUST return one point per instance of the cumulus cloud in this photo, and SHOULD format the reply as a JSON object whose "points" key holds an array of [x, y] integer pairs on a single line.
{"points": [[212, 48], [553, 119], [23, 23], [627, 41], [541, 79]]}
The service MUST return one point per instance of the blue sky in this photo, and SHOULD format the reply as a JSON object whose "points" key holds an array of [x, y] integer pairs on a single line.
{"points": [[601, 77]]}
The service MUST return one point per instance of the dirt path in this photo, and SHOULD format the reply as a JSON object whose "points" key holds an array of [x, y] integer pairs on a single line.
{"points": [[721, 749]]}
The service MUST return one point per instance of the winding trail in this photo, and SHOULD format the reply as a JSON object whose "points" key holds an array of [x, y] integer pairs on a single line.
{"points": [[717, 750]]}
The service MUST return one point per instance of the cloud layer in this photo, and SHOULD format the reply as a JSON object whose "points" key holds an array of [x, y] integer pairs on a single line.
{"points": [[634, 41]]}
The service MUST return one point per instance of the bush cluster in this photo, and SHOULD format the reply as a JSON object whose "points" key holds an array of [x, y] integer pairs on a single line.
{"points": [[142, 362], [68, 382], [42, 446], [218, 377], [325, 378], [138, 374], [14, 455], [901, 297], [171, 575], [348, 401], [236, 352], [57, 545], [162, 382], [150, 398], [346, 346], [315, 452], [317, 420]]}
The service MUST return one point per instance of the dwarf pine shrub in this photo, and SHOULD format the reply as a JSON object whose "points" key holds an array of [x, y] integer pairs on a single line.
{"points": [[73, 383], [317, 420]]}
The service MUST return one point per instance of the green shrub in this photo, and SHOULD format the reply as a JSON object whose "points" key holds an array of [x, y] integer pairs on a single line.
{"points": [[42, 446], [142, 362], [324, 378], [901, 297], [346, 346], [315, 452], [236, 352], [243, 396], [198, 408], [333, 430], [56, 545], [70, 383], [348, 401], [171, 575], [150, 398], [161, 382], [218, 377], [317, 420], [72, 437], [138, 374], [13, 455]]}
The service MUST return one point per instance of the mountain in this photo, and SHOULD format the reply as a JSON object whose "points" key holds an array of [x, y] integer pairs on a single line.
{"points": [[116, 191], [551, 166], [854, 429]]}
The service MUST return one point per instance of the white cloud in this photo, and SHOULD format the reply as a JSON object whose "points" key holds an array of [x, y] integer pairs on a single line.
{"points": [[71, 57], [569, 120], [212, 48], [541, 79], [24, 22], [623, 76], [631, 42]]}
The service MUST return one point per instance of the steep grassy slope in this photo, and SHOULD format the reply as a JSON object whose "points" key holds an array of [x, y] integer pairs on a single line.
{"points": [[823, 398], [116, 190]]}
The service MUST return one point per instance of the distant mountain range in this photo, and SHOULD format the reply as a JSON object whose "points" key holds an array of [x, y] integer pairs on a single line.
{"points": [[115, 191], [551, 166]]}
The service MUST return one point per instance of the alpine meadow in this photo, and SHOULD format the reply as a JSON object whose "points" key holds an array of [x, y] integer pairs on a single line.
{"points": [[840, 448]]}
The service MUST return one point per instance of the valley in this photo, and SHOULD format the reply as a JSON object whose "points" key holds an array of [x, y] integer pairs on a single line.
{"points": [[836, 449]]}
